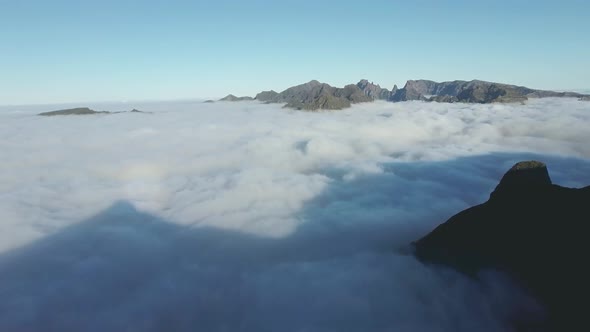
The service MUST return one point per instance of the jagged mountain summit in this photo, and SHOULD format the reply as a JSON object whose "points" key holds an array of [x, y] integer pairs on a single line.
{"points": [[314, 95], [375, 91], [531, 229]]}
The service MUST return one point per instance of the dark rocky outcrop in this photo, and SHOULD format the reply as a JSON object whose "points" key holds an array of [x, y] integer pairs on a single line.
{"points": [[209, 101], [234, 98], [73, 111], [531, 229]]}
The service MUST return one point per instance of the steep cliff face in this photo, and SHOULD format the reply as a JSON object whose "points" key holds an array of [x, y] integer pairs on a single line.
{"points": [[462, 91], [374, 90], [414, 90], [531, 229]]}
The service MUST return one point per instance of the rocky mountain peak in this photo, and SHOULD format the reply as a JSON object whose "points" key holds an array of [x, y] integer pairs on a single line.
{"points": [[525, 175], [231, 97], [533, 231], [373, 91], [313, 83]]}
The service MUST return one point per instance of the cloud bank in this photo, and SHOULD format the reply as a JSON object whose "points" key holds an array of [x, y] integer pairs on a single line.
{"points": [[242, 216]]}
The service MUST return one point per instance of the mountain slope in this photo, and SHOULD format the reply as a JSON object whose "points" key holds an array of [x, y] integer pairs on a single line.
{"points": [[231, 97], [531, 229], [314, 96], [475, 91]]}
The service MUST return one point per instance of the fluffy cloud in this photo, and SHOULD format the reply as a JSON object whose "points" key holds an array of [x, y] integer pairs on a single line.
{"points": [[241, 216]]}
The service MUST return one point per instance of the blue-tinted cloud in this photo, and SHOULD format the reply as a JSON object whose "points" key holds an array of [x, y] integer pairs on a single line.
{"points": [[241, 216]]}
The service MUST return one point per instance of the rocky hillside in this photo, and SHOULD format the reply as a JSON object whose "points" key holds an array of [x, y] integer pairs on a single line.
{"points": [[531, 229], [475, 91], [375, 91], [314, 96], [231, 97]]}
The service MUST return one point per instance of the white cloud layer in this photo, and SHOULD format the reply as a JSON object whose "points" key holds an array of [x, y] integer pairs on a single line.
{"points": [[242, 216]]}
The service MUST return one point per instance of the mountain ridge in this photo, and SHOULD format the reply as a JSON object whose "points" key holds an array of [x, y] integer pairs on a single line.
{"points": [[315, 96]]}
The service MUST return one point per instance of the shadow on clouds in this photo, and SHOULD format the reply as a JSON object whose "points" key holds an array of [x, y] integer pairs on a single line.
{"points": [[345, 268]]}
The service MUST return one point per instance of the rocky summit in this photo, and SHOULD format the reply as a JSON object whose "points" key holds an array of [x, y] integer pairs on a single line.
{"points": [[231, 97], [374, 91], [313, 96], [531, 229]]}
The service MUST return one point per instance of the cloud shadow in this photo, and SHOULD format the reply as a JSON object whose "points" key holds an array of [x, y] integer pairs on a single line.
{"points": [[344, 268]]}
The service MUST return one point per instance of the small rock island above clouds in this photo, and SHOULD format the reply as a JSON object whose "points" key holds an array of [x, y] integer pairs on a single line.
{"points": [[73, 111], [314, 96], [231, 97], [83, 111]]}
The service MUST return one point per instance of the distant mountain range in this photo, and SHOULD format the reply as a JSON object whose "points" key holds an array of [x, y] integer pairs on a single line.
{"points": [[314, 95]]}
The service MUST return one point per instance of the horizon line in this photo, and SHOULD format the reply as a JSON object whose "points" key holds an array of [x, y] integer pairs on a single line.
{"points": [[582, 90]]}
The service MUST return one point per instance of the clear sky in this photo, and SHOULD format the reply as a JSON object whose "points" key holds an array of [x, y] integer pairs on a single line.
{"points": [[112, 50]]}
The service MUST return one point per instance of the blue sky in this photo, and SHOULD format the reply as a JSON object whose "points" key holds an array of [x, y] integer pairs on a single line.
{"points": [[74, 51]]}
